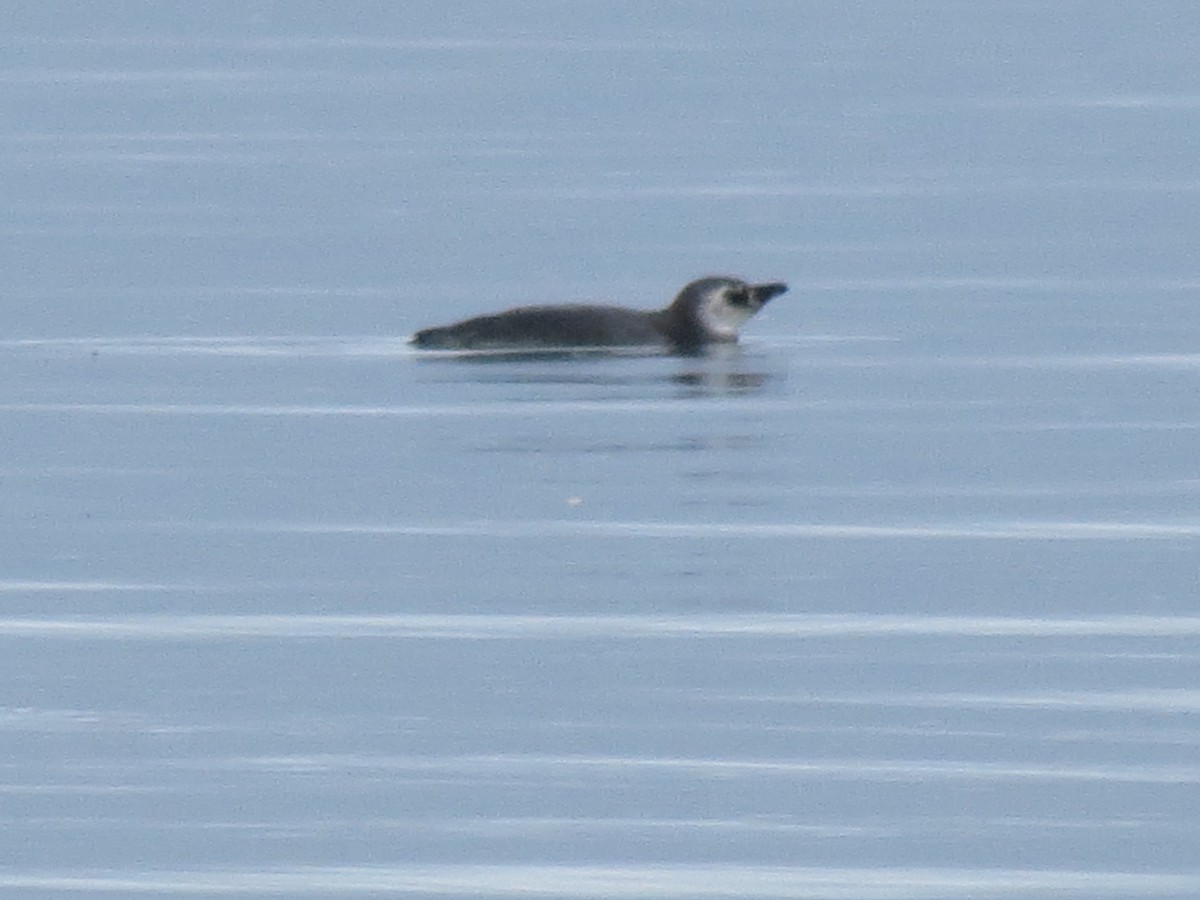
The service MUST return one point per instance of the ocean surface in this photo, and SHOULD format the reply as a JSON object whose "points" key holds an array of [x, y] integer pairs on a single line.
{"points": [[896, 599]]}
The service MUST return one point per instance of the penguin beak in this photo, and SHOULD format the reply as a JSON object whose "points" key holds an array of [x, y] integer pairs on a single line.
{"points": [[764, 292]]}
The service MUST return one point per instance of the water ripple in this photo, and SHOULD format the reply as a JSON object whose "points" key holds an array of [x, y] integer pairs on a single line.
{"points": [[600, 881], [542, 627]]}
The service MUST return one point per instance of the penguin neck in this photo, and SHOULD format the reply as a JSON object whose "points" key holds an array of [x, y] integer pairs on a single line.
{"points": [[679, 326]]}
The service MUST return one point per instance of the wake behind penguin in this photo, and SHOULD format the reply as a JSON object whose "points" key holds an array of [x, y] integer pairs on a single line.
{"points": [[707, 311]]}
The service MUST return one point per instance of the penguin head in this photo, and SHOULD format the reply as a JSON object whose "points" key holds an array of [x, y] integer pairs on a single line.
{"points": [[716, 307]]}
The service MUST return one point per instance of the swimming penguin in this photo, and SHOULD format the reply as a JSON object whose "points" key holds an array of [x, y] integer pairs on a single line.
{"points": [[706, 311]]}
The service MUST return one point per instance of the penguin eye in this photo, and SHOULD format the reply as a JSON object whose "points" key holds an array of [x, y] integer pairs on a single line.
{"points": [[738, 297]]}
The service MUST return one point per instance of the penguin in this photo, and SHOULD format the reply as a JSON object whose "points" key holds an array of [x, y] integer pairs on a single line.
{"points": [[707, 311]]}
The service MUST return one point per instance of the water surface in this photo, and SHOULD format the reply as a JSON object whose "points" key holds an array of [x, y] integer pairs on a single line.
{"points": [[895, 600]]}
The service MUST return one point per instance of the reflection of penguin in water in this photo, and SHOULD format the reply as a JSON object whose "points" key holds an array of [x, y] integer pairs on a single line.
{"points": [[705, 312]]}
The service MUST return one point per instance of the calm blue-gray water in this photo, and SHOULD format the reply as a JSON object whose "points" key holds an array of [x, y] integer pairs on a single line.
{"points": [[897, 599]]}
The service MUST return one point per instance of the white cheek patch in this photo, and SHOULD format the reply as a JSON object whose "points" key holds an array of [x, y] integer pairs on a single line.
{"points": [[720, 317]]}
